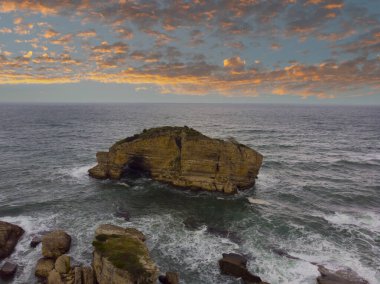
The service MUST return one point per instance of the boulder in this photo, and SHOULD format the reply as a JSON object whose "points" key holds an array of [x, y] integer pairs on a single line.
{"points": [[43, 267], [343, 276], [183, 157], [62, 264], [9, 236], [236, 265], [55, 243], [35, 241], [8, 270], [121, 257], [123, 214], [169, 278]]}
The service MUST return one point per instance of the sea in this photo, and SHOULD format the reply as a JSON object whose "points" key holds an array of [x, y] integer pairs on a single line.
{"points": [[320, 177]]}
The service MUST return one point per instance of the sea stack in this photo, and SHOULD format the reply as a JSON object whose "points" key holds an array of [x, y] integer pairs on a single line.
{"points": [[183, 157]]}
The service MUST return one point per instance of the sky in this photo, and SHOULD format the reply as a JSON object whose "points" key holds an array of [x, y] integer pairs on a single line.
{"points": [[241, 51]]}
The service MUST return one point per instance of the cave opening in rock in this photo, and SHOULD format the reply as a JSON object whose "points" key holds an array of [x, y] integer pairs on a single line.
{"points": [[136, 168]]}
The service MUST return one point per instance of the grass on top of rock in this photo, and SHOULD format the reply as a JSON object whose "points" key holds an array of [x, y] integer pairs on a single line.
{"points": [[157, 131], [123, 252]]}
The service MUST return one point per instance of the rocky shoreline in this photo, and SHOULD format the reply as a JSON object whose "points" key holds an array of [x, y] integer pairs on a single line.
{"points": [[120, 256]]}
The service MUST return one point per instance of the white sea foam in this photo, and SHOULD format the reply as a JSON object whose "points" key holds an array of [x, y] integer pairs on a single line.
{"points": [[80, 172], [24, 255], [195, 250], [367, 220]]}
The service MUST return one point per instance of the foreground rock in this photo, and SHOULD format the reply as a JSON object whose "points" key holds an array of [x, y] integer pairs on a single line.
{"points": [[43, 267], [236, 265], [121, 257], [9, 236], [345, 276], [55, 244], [169, 278], [8, 270], [182, 157]]}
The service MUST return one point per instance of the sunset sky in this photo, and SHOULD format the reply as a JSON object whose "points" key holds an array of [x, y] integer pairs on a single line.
{"points": [[298, 51]]}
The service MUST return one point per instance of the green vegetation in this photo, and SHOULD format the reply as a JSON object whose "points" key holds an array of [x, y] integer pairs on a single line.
{"points": [[123, 252], [157, 131]]}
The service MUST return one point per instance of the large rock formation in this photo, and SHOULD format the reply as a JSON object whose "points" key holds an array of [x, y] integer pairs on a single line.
{"points": [[121, 257], [9, 236], [182, 157]]}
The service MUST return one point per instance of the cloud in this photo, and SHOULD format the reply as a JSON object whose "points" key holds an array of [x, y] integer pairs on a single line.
{"points": [[49, 33], [87, 34], [29, 54], [234, 63], [5, 31], [105, 47]]}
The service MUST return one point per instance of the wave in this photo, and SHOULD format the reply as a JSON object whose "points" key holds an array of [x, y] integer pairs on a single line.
{"points": [[365, 220]]}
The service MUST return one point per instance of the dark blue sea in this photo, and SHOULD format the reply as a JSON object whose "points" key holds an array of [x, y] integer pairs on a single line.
{"points": [[321, 176]]}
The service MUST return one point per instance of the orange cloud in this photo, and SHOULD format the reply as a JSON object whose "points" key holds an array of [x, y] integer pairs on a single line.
{"points": [[87, 34], [234, 62], [5, 31], [50, 33]]}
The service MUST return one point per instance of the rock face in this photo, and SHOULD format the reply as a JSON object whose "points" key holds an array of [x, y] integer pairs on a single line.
{"points": [[121, 257], [9, 236], [183, 157], [55, 243]]}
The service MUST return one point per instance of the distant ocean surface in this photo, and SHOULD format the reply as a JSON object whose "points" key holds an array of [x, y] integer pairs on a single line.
{"points": [[321, 175]]}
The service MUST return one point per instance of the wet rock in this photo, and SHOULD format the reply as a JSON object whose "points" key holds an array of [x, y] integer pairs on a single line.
{"points": [[62, 264], [123, 214], [8, 270], [169, 278], [183, 157], [225, 234], [236, 265], [192, 223], [43, 267], [283, 253], [121, 257], [55, 243], [343, 276], [35, 241], [9, 237]]}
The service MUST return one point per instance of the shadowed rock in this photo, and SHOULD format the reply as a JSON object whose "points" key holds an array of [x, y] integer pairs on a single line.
{"points": [[343, 276], [183, 157], [8, 270], [169, 278], [9, 236], [236, 265]]}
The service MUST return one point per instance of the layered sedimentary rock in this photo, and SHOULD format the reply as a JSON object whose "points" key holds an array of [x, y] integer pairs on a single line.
{"points": [[182, 157], [121, 257]]}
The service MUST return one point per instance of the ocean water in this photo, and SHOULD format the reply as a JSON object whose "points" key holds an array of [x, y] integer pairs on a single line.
{"points": [[321, 176]]}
